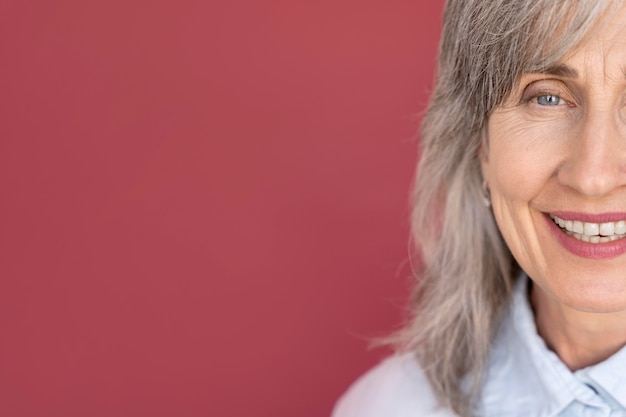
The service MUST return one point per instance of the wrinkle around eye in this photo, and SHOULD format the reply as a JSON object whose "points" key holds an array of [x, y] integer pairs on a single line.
{"points": [[517, 124]]}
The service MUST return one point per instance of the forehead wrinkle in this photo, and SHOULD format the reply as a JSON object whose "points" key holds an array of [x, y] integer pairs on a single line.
{"points": [[604, 43], [596, 64], [611, 45]]}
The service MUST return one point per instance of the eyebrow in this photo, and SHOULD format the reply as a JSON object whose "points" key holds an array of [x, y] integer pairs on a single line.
{"points": [[560, 70]]}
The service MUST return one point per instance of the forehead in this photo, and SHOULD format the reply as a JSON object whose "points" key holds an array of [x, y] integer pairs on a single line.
{"points": [[604, 36], [603, 48], [570, 53]]}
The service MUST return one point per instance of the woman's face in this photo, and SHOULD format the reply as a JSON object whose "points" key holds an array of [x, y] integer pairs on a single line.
{"points": [[556, 170]]}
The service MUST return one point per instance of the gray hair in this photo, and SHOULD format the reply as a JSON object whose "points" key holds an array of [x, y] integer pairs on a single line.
{"points": [[467, 272]]}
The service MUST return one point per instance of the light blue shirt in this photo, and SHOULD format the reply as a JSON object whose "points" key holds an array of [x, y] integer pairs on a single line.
{"points": [[524, 379]]}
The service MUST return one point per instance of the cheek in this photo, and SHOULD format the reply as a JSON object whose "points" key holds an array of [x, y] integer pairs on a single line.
{"points": [[523, 158], [513, 192], [520, 170], [517, 174]]}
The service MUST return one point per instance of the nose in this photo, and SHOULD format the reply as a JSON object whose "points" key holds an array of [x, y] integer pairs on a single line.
{"points": [[596, 162]]}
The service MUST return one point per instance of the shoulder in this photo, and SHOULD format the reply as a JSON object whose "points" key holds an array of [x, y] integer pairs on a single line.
{"points": [[397, 387]]}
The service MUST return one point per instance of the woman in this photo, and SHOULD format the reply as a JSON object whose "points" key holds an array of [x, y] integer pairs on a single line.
{"points": [[520, 210]]}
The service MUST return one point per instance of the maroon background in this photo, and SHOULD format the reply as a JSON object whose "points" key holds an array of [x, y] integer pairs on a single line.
{"points": [[204, 205]]}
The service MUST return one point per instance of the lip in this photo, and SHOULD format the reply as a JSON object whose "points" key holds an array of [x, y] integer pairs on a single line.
{"points": [[587, 250]]}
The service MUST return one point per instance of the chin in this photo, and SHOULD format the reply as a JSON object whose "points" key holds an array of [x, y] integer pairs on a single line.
{"points": [[601, 297]]}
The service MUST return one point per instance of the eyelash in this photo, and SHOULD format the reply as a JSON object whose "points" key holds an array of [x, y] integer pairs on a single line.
{"points": [[534, 98], [546, 93]]}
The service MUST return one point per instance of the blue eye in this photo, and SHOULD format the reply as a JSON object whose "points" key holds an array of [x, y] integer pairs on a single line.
{"points": [[548, 100]]}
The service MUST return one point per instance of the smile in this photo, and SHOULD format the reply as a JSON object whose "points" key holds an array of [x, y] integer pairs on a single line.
{"points": [[592, 232]]}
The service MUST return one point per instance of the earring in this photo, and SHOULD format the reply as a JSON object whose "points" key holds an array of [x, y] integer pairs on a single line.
{"points": [[486, 194]]}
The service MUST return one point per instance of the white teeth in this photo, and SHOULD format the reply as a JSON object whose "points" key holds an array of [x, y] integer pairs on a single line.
{"points": [[591, 229], [578, 227], [607, 229], [592, 232]]}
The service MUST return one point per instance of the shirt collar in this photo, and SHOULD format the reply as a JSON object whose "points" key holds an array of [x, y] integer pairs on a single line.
{"points": [[554, 379], [608, 376], [524, 377]]}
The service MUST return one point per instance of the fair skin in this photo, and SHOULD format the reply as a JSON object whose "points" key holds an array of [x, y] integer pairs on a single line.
{"points": [[557, 154]]}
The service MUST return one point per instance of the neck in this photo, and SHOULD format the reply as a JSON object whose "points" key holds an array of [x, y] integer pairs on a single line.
{"points": [[580, 338]]}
